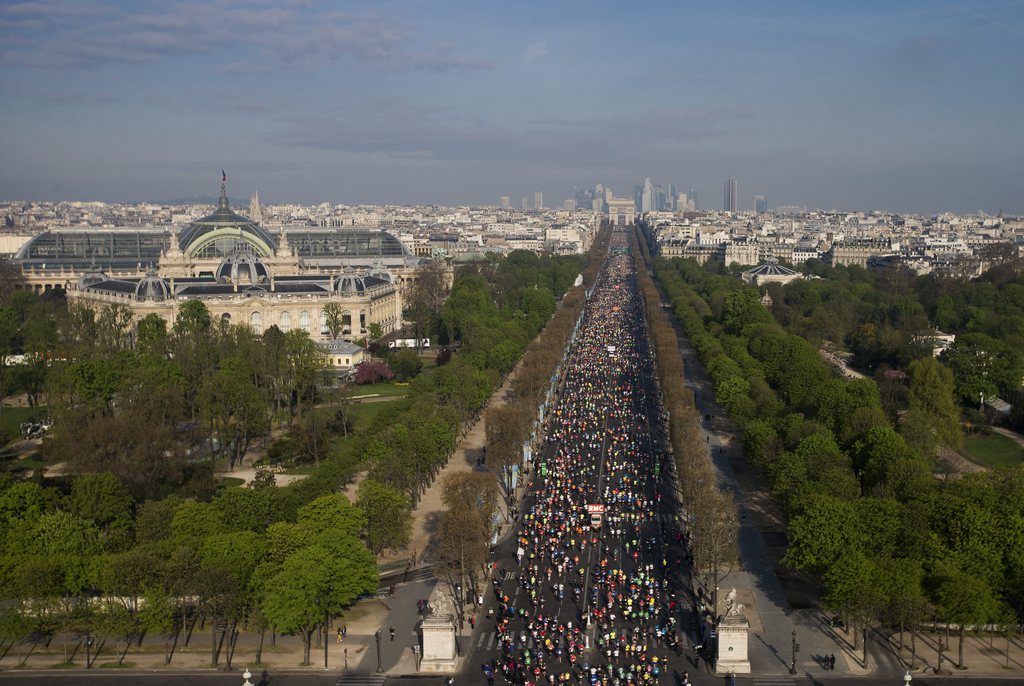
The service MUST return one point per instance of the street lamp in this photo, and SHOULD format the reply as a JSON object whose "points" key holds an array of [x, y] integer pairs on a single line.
{"points": [[376, 635], [792, 665], [907, 678], [327, 620], [247, 675]]}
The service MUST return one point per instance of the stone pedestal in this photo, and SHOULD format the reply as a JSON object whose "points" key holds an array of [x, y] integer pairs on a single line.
{"points": [[439, 653], [731, 654]]}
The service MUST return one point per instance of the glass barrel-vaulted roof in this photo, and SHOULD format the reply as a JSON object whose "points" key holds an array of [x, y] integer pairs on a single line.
{"points": [[96, 248], [218, 235], [345, 242]]}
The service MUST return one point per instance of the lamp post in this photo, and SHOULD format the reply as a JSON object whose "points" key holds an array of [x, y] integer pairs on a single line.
{"points": [[376, 635], [326, 620], [247, 675], [942, 648], [792, 665], [907, 678]]}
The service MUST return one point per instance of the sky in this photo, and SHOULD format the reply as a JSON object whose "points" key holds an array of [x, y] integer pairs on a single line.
{"points": [[901, 105]]}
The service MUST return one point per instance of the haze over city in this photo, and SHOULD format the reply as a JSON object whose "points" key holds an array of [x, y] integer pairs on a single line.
{"points": [[902, 106]]}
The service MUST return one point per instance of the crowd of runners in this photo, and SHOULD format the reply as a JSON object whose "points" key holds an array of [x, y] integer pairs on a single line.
{"points": [[588, 602]]}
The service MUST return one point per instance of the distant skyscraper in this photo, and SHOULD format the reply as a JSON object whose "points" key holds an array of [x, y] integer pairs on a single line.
{"points": [[538, 200], [694, 200], [682, 202], [506, 203], [731, 195], [670, 201], [570, 204], [760, 204], [526, 205], [647, 196]]}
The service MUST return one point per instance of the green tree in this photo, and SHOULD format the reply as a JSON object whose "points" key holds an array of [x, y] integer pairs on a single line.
{"points": [[192, 348], [931, 395], [388, 516], [104, 500], [821, 534], [964, 599], [743, 309], [234, 408], [151, 336], [405, 363], [332, 512], [303, 361], [193, 522], [334, 317], [983, 365], [322, 578]]}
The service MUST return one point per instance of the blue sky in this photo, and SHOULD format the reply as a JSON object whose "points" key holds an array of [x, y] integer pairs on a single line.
{"points": [[908, 106]]}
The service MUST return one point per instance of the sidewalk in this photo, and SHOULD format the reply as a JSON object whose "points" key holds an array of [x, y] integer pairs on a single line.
{"points": [[776, 606]]}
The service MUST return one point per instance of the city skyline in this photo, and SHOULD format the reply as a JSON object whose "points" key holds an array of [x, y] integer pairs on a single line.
{"points": [[864, 107]]}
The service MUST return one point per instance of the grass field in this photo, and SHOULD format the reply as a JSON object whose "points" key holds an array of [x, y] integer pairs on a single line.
{"points": [[992, 450], [382, 389], [12, 417]]}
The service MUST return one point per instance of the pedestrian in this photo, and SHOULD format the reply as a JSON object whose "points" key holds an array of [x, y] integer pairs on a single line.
{"points": [[472, 621], [340, 637], [832, 662], [391, 630]]}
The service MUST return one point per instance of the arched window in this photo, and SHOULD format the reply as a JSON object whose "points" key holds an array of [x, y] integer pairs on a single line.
{"points": [[256, 322], [304, 321], [323, 323], [285, 323]]}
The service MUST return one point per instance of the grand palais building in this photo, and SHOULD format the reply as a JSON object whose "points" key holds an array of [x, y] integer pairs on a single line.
{"points": [[242, 272]]}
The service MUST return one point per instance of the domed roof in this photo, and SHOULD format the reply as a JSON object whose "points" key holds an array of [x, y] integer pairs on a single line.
{"points": [[152, 287], [225, 227], [349, 282], [242, 268]]}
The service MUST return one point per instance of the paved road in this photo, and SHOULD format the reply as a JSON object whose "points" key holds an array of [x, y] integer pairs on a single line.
{"points": [[572, 599]]}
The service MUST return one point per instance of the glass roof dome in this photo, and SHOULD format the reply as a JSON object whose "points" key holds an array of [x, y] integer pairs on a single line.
{"points": [[222, 233]]}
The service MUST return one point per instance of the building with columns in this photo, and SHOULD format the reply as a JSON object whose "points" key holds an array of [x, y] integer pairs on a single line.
{"points": [[241, 271]]}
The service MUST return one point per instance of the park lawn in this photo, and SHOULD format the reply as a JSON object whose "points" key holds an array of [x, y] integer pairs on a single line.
{"points": [[12, 417], [382, 389], [992, 450]]}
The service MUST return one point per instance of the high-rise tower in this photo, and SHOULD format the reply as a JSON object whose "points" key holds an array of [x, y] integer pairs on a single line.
{"points": [[731, 195]]}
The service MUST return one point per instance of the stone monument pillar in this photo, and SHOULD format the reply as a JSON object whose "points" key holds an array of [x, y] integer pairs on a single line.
{"points": [[732, 628], [438, 633]]}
